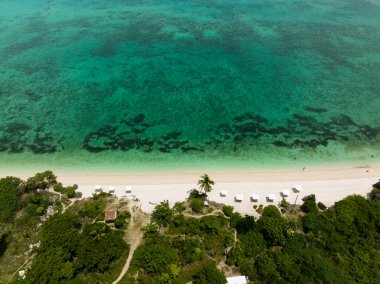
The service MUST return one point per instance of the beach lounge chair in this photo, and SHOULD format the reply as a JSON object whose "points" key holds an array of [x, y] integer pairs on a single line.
{"points": [[128, 189], [297, 188], [239, 197], [223, 193], [255, 197], [285, 192], [271, 197]]}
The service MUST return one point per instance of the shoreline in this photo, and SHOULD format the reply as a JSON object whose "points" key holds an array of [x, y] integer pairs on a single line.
{"points": [[329, 184], [170, 176]]}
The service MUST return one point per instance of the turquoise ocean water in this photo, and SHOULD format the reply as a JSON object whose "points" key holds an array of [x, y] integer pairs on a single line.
{"points": [[184, 84]]}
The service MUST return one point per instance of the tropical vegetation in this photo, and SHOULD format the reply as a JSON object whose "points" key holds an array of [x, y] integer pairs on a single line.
{"points": [[58, 240]]}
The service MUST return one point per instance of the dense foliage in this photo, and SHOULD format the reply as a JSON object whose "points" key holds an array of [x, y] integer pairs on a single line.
{"points": [[339, 245], [209, 274], [185, 243], [311, 244], [9, 198], [68, 249]]}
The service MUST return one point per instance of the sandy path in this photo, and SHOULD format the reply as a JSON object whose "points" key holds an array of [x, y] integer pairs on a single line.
{"points": [[135, 236]]}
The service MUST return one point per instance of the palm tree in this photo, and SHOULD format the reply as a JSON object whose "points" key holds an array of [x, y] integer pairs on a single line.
{"points": [[205, 183]]}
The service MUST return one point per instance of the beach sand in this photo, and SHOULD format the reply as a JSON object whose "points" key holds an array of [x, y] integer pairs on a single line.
{"points": [[328, 184]]}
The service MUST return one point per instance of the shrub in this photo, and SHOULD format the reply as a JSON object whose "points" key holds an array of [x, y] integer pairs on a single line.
{"points": [[197, 205], [309, 204], [209, 274], [179, 207], [272, 212], [70, 192], [284, 203], [40, 181], [162, 215], [228, 210], [197, 194], [375, 192], [260, 209]]}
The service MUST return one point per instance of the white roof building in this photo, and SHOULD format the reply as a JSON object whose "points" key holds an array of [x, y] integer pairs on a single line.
{"points": [[223, 193], [255, 197], [298, 188], [285, 192], [237, 280], [239, 197], [271, 197]]}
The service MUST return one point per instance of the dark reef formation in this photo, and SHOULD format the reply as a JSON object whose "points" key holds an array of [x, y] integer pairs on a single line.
{"points": [[20, 137], [299, 131], [131, 133], [134, 132]]}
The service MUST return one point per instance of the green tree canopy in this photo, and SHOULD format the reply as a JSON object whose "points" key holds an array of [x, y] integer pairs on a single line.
{"points": [[253, 243], [61, 231], [9, 198], [272, 230], [155, 258], [272, 211], [209, 274], [51, 266], [99, 247], [162, 214]]}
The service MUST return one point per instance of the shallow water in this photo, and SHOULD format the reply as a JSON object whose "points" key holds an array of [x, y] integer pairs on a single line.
{"points": [[155, 84]]}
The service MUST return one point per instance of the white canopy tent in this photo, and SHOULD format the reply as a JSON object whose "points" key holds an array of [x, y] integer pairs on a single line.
{"points": [[223, 193], [111, 189], [128, 189], [255, 197], [285, 192], [237, 280], [271, 197], [298, 188], [239, 197], [98, 187]]}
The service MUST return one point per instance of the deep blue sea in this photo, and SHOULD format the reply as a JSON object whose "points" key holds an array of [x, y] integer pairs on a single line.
{"points": [[183, 84]]}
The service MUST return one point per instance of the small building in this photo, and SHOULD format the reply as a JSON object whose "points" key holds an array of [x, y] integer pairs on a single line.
{"points": [[110, 215], [298, 188], [237, 280], [205, 203], [271, 197], [223, 193], [255, 197], [239, 197]]}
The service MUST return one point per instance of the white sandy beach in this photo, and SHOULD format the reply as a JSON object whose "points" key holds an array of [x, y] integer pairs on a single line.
{"points": [[326, 191], [328, 184]]}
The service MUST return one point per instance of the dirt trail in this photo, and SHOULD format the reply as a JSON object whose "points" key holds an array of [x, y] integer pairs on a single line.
{"points": [[134, 237]]}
